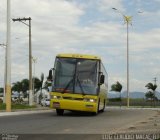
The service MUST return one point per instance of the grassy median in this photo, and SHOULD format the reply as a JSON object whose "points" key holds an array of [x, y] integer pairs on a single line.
{"points": [[16, 106]]}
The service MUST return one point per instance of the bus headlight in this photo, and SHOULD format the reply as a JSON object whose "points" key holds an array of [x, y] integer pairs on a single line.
{"points": [[90, 100], [55, 97]]}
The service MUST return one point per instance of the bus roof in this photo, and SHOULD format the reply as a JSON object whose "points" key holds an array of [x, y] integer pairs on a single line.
{"points": [[79, 56]]}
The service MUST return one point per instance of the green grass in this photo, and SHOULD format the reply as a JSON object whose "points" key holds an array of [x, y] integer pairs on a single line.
{"points": [[16, 106], [136, 103]]}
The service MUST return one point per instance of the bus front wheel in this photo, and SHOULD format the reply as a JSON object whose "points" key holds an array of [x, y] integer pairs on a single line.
{"points": [[59, 112], [95, 113], [104, 105]]}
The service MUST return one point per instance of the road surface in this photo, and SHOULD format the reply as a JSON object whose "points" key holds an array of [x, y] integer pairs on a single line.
{"points": [[110, 121]]}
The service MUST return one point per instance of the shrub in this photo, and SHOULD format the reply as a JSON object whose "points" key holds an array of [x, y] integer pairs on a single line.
{"points": [[115, 99]]}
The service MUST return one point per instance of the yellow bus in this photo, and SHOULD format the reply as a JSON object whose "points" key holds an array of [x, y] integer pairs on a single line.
{"points": [[79, 83]]}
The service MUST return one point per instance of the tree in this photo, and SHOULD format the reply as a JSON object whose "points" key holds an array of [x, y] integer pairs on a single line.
{"points": [[17, 87], [22, 86], [25, 85], [151, 87], [150, 95], [117, 87], [1, 90], [47, 84], [37, 84], [41, 86], [42, 79]]}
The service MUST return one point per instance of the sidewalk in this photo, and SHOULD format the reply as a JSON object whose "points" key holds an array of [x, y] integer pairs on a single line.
{"points": [[38, 109]]}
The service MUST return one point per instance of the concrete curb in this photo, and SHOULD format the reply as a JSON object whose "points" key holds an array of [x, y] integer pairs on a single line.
{"points": [[131, 108]]}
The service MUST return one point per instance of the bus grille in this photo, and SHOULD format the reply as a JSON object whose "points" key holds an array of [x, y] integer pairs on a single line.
{"points": [[72, 98]]}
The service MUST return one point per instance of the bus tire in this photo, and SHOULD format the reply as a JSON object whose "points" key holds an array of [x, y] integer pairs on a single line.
{"points": [[104, 105], [95, 113], [59, 112]]}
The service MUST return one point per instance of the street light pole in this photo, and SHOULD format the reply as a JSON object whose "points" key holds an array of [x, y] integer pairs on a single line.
{"points": [[8, 59], [4, 88], [30, 57], [30, 66], [127, 65], [128, 20]]}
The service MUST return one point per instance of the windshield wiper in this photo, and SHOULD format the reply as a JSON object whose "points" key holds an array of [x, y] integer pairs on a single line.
{"points": [[80, 85], [67, 85]]}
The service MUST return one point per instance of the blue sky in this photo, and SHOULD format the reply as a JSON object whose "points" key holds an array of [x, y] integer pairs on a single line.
{"points": [[87, 27]]}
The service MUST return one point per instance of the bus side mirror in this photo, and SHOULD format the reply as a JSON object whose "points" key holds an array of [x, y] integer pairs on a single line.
{"points": [[102, 78], [50, 75]]}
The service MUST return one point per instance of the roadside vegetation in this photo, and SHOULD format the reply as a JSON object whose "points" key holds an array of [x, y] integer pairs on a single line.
{"points": [[150, 99], [15, 106], [138, 102], [21, 89]]}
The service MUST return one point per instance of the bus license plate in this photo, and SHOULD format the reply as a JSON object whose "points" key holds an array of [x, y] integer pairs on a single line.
{"points": [[56, 104]]}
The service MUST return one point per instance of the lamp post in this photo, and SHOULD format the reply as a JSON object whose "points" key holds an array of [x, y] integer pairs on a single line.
{"points": [[4, 89], [128, 20]]}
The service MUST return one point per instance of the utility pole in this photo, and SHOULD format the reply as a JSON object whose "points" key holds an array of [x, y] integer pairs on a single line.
{"points": [[155, 80], [8, 59], [30, 56], [4, 88], [155, 84]]}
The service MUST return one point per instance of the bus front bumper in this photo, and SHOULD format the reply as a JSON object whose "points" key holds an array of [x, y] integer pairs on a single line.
{"points": [[74, 105]]}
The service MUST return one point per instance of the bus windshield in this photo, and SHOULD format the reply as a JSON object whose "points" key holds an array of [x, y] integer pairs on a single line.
{"points": [[74, 75]]}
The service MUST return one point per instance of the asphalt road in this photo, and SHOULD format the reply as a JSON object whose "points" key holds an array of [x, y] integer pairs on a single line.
{"points": [[110, 121]]}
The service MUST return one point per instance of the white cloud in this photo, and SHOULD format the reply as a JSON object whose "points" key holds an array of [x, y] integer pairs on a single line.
{"points": [[145, 41], [55, 12]]}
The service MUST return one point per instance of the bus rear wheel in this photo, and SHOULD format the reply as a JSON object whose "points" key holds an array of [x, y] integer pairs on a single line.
{"points": [[59, 112]]}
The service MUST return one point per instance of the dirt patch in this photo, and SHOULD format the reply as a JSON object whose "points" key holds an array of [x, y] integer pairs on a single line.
{"points": [[151, 119], [143, 122], [132, 128]]}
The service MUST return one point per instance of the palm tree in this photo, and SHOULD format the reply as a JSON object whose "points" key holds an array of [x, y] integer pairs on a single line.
{"points": [[152, 87], [46, 84], [37, 84], [21, 86], [117, 87], [17, 86], [150, 95], [41, 81], [25, 85]]}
